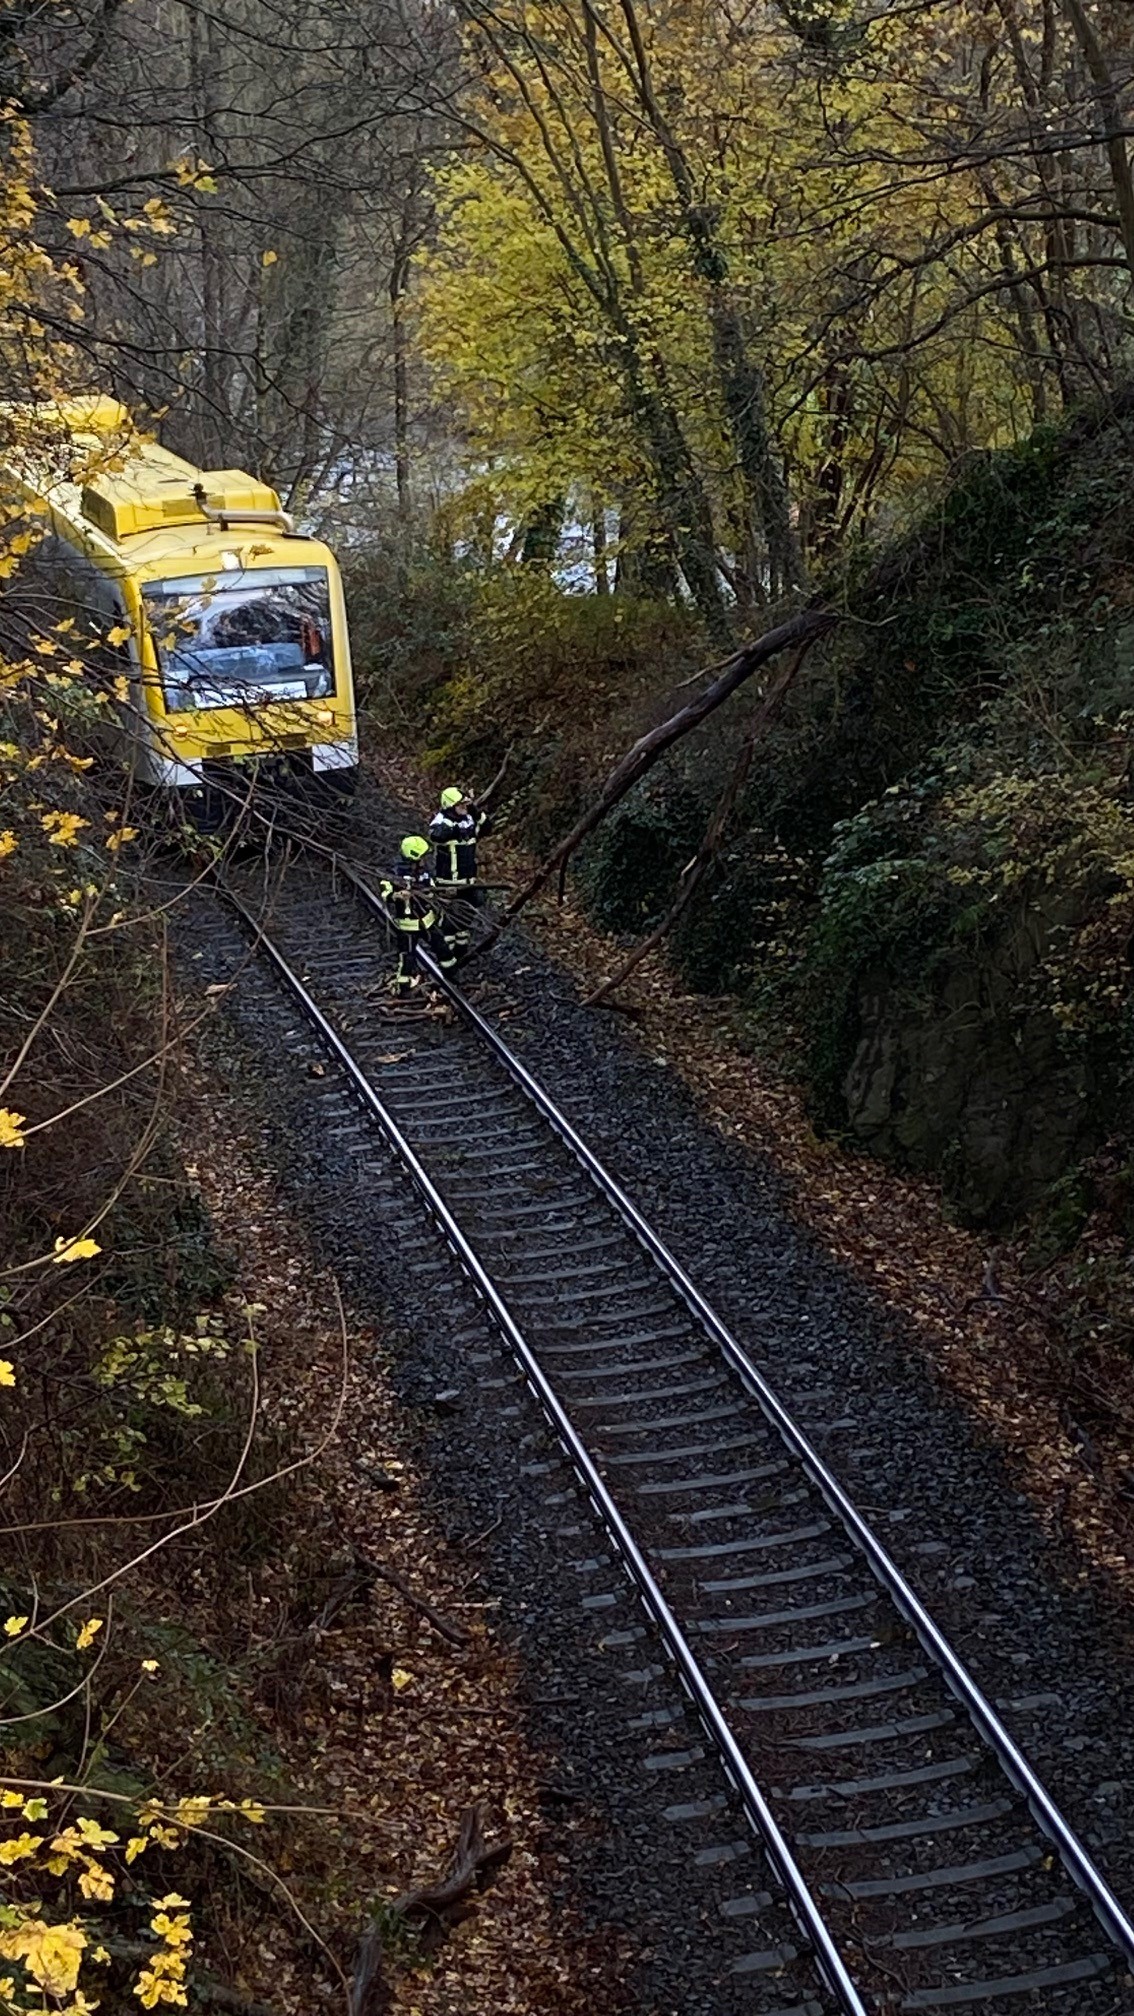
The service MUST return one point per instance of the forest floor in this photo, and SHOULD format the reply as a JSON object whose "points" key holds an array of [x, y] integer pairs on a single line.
{"points": [[1007, 1339]]}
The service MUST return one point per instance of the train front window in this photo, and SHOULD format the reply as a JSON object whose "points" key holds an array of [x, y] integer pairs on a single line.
{"points": [[244, 640]]}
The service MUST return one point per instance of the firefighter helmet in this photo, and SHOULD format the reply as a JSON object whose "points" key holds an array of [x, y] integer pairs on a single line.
{"points": [[450, 796], [414, 848]]}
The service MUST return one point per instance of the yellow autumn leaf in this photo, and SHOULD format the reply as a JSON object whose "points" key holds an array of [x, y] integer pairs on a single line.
{"points": [[13, 1626], [152, 1988], [175, 1931], [150, 1666], [52, 1954], [96, 1836], [8, 843], [35, 1809], [62, 828], [135, 1846], [399, 1678], [11, 1128], [10, 1798], [19, 1848], [191, 1812], [75, 1249], [118, 633], [79, 227], [97, 1883], [268, 258], [88, 1633], [116, 840], [7, 1372]]}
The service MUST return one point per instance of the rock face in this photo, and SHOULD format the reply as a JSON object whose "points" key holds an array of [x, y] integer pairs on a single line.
{"points": [[967, 1078]]}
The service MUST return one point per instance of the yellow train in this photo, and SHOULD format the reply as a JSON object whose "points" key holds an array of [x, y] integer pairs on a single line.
{"points": [[229, 627]]}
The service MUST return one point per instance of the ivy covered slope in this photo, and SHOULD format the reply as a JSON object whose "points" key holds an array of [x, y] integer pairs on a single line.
{"points": [[930, 893]]}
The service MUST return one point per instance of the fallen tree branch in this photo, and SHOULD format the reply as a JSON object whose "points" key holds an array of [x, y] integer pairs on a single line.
{"points": [[473, 1863], [802, 629], [455, 1634], [369, 1988], [694, 872]]}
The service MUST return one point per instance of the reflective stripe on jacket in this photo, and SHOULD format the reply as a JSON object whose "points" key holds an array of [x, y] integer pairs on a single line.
{"points": [[410, 904], [449, 836]]}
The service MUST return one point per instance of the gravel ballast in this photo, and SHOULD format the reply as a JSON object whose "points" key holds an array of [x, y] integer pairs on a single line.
{"points": [[643, 1836]]}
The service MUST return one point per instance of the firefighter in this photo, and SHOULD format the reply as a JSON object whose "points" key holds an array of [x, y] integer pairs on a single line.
{"points": [[408, 892], [453, 831]]}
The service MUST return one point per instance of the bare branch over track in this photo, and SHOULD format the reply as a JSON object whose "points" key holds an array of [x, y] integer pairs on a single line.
{"points": [[694, 873], [801, 630]]}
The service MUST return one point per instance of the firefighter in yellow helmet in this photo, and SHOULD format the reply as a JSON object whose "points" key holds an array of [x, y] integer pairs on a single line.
{"points": [[408, 893], [454, 831]]}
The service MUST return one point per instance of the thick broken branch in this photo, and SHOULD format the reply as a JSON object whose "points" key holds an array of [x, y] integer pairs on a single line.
{"points": [[693, 874], [454, 1634], [802, 629], [473, 1863], [484, 798]]}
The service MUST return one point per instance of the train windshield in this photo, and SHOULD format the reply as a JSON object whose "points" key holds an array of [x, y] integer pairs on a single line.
{"points": [[243, 640]]}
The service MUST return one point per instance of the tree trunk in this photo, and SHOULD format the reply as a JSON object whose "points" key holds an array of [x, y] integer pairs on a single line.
{"points": [[682, 499], [214, 418], [1114, 143], [399, 277], [598, 545], [741, 380], [540, 543]]}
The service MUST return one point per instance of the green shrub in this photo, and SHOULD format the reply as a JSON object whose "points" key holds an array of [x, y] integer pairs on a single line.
{"points": [[476, 663]]}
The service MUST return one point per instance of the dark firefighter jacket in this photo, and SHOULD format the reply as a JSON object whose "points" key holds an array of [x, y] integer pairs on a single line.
{"points": [[454, 838]]}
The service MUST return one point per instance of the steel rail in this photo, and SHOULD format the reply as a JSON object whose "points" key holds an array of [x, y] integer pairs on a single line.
{"points": [[1075, 1858], [757, 1811]]}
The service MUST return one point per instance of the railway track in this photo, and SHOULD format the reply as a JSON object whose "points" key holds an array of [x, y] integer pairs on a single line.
{"points": [[925, 1864]]}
